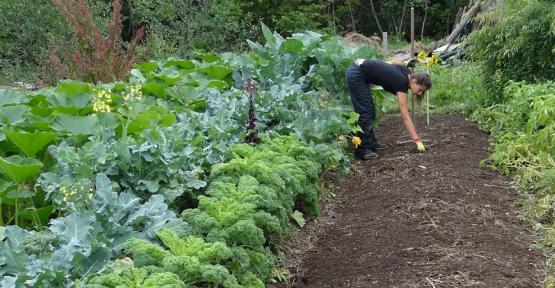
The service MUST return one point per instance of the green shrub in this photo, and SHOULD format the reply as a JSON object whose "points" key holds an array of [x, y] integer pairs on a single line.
{"points": [[523, 126], [522, 130], [516, 43], [24, 42], [186, 26]]}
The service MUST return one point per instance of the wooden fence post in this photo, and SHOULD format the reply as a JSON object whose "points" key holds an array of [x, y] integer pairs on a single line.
{"points": [[412, 54], [385, 44]]}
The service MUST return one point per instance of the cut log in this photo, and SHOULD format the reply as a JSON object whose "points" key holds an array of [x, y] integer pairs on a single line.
{"points": [[458, 17], [465, 19]]}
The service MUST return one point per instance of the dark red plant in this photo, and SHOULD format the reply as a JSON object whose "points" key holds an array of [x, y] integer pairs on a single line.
{"points": [[250, 90], [100, 57]]}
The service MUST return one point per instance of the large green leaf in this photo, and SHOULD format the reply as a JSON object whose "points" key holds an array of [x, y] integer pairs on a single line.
{"points": [[108, 120], [8, 282], [74, 234], [99, 259], [197, 105], [209, 58], [221, 85], [148, 66], [19, 169], [136, 76], [42, 111], [41, 123], [12, 257], [11, 96], [270, 38], [39, 99], [185, 94], [155, 116], [105, 196], [78, 125], [155, 87], [41, 214], [292, 46], [13, 115], [20, 192], [180, 63], [218, 72], [30, 143], [5, 188], [170, 77], [71, 94]]}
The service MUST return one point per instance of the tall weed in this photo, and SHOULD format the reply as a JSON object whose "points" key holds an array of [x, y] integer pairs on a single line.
{"points": [[99, 57]]}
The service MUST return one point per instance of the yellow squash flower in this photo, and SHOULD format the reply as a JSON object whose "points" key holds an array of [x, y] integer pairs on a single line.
{"points": [[356, 141]]}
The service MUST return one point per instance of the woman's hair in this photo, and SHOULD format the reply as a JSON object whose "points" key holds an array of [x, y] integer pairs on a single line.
{"points": [[423, 79]]}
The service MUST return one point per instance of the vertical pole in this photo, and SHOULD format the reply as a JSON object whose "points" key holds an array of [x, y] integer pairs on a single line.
{"points": [[428, 108], [385, 44], [411, 31], [412, 53]]}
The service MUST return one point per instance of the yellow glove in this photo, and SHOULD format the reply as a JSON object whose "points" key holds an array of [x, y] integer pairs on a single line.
{"points": [[419, 146]]}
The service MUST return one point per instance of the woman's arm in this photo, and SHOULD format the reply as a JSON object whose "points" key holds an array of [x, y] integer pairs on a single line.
{"points": [[395, 62], [403, 108]]}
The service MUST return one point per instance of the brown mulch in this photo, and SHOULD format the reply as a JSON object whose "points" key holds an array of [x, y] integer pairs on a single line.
{"points": [[418, 220]]}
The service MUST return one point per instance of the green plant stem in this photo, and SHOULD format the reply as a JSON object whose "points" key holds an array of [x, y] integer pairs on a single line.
{"points": [[1, 213], [16, 211]]}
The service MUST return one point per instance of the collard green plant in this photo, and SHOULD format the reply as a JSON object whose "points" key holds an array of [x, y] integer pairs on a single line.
{"points": [[81, 243]]}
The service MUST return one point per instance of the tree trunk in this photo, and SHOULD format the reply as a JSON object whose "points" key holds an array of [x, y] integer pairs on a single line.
{"points": [[424, 21], [352, 18], [402, 24], [376, 16]]}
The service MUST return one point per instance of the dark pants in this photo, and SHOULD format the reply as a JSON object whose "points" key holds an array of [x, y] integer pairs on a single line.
{"points": [[363, 104]]}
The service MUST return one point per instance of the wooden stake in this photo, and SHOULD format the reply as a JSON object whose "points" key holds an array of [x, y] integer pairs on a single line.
{"points": [[412, 54], [411, 31], [428, 108], [385, 44]]}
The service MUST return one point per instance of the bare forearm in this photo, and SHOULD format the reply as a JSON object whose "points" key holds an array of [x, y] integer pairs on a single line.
{"points": [[409, 125], [402, 99]]}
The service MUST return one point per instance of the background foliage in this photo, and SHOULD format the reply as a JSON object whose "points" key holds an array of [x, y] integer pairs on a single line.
{"points": [[182, 28], [86, 168], [516, 43]]}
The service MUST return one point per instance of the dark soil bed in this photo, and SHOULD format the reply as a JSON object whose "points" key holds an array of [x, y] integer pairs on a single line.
{"points": [[418, 220]]}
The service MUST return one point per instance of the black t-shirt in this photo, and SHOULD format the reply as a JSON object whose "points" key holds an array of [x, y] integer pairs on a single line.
{"points": [[392, 77]]}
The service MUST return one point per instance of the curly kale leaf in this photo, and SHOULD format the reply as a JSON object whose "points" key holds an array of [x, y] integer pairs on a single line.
{"points": [[127, 276], [195, 247]]}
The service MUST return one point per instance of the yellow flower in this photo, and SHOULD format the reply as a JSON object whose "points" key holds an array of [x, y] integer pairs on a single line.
{"points": [[102, 100], [134, 94], [426, 60], [356, 141]]}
